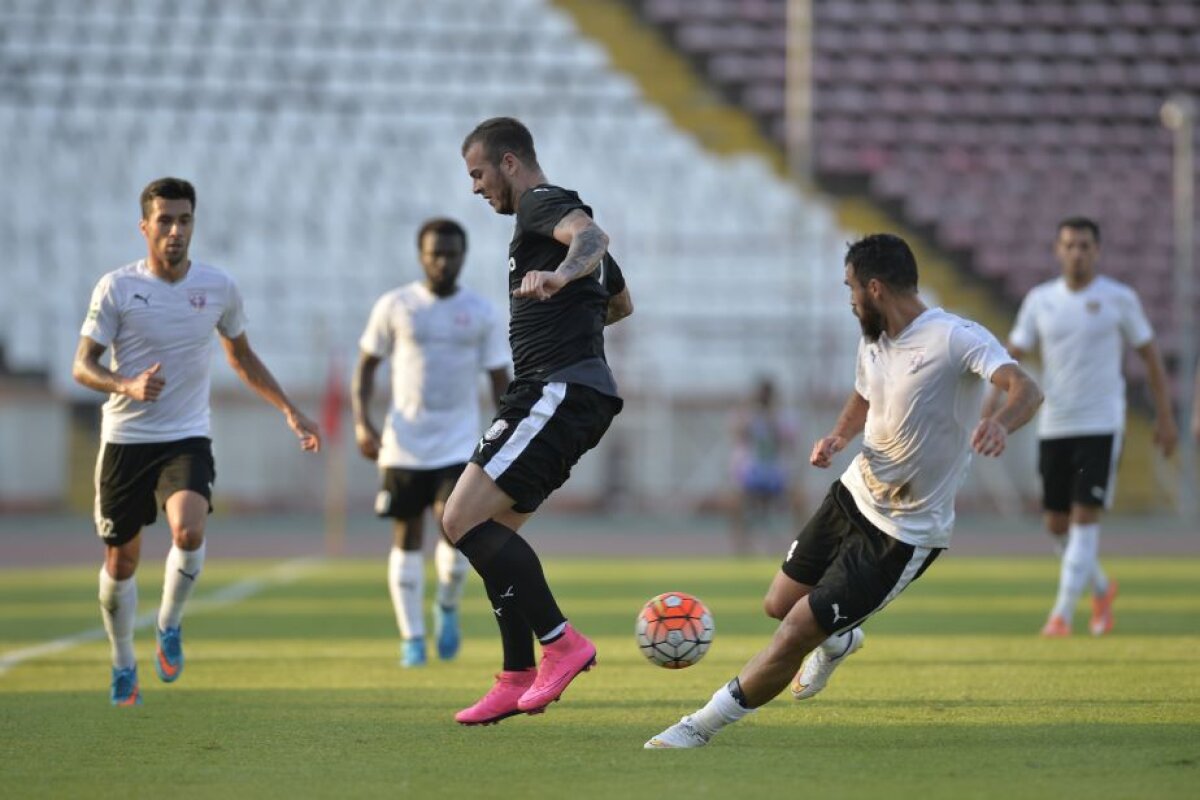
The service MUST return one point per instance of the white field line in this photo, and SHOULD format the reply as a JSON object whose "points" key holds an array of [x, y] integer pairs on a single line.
{"points": [[284, 573]]}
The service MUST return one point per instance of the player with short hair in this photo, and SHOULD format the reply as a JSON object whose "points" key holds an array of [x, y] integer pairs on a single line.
{"points": [[1081, 321], [564, 289], [917, 392], [158, 316], [438, 336]]}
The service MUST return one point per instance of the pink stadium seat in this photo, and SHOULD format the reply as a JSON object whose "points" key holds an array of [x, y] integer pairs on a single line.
{"points": [[988, 121]]}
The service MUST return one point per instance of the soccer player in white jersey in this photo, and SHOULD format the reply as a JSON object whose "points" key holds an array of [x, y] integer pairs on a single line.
{"points": [[1081, 322], [917, 393], [158, 316], [438, 336]]}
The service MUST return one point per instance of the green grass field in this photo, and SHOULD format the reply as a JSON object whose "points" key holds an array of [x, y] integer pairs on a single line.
{"points": [[294, 691]]}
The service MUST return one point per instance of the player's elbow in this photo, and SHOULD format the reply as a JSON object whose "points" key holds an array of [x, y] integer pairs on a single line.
{"points": [[78, 372]]}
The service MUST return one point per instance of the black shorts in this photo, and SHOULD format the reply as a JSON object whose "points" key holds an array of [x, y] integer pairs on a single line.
{"points": [[134, 480], [406, 493], [539, 433], [1078, 470], [855, 569]]}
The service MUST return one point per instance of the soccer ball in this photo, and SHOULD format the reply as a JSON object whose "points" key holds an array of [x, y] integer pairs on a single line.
{"points": [[674, 630]]}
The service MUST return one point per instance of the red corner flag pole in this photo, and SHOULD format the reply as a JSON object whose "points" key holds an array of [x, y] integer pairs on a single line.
{"points": [[332, 405]]}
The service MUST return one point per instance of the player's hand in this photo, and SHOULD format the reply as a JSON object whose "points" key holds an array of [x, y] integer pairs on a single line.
{"points": [[306, 430], [146, 386], [540, 285], [990, 437], [368, 441], [825, 449], [1166, 435]]}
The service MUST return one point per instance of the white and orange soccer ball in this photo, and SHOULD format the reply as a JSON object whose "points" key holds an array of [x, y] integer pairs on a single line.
{"points": [[674, 630]]}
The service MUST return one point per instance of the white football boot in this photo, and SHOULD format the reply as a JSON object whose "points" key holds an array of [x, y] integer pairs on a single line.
{"points": [[680, 735], [819, 666]]}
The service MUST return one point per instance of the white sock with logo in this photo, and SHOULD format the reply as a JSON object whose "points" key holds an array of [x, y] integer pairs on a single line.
{"points": [[118, 609], [452, 568], [179, 578], [406, 582], [720, 711], [1078, 566]]}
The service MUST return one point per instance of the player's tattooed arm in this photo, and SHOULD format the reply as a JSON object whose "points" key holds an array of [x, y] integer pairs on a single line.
{"points": [[88, 371], [254, 373], [586, 244], [620, 306]]}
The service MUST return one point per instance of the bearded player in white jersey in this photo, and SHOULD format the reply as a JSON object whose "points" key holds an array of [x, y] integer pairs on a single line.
{"points": [[438, 337], [917, 393], [1082, 322], [158, 316]]}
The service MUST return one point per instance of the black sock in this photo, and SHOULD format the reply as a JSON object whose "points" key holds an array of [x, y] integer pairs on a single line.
{"points": [[516, 637], [506, 561]]}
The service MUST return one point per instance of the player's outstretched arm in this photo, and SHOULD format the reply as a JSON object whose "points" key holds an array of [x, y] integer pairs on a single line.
{"points": [[366, 435], [254, 373], [586, 246], [1024, 397], [1166, 434], [850, 423], [620, 306], [88, 371]]}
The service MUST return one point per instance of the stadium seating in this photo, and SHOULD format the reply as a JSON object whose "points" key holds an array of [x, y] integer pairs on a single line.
{"points": [[319, 135], [984, 122]]}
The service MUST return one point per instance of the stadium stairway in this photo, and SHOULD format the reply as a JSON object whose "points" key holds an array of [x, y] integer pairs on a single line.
{"points": [[668, 79]]}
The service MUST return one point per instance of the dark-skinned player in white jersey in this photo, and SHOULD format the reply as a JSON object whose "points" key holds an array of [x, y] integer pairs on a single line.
{"points": [[565, 289]]}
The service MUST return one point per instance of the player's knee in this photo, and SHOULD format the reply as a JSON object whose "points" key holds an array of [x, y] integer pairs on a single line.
{"points": [[1057, 524], [455, 522], [775, 608], [187, 537]]}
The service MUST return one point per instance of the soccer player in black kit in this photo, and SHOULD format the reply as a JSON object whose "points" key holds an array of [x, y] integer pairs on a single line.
{"points": [[564, 289]]}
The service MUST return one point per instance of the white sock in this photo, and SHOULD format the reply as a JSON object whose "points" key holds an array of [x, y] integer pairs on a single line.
{"points": [[837, 645], [554, 633], [1078, 565], [182, 571], [118, 609], [451, 567], [1099, 579], [406, 582], [720, 711]]}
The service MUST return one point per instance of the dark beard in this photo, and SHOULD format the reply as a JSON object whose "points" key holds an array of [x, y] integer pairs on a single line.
{"points": [[871, 322]]}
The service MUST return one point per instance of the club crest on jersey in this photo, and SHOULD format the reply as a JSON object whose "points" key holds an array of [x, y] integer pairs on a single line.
{"points": [[915, 361], [198, 298], [462, 319], [496, 431], [1093, 306]]}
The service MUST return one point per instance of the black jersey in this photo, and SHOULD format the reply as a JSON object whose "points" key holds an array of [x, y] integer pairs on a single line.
{"points": [[560, 339]]}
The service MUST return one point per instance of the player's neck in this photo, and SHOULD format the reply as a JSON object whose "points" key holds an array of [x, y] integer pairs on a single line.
{"points": [[171, 273], [524, 182], [1077, 283], [442, 291], [901, 314]]}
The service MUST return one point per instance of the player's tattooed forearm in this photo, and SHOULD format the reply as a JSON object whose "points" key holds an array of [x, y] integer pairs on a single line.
{"points": [[585, 253]]}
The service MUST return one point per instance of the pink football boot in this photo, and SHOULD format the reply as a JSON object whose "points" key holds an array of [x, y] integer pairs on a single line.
{"points": [[501, 700], [562, 661]]}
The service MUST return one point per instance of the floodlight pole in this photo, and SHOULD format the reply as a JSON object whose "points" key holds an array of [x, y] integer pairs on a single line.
{"points": [[798, 92], [1179, 115]]}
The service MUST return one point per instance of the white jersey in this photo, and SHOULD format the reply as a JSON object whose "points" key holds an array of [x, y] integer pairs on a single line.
{"points": [[147, 320], [925, 391], [1082, 337], [437, 346]]}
